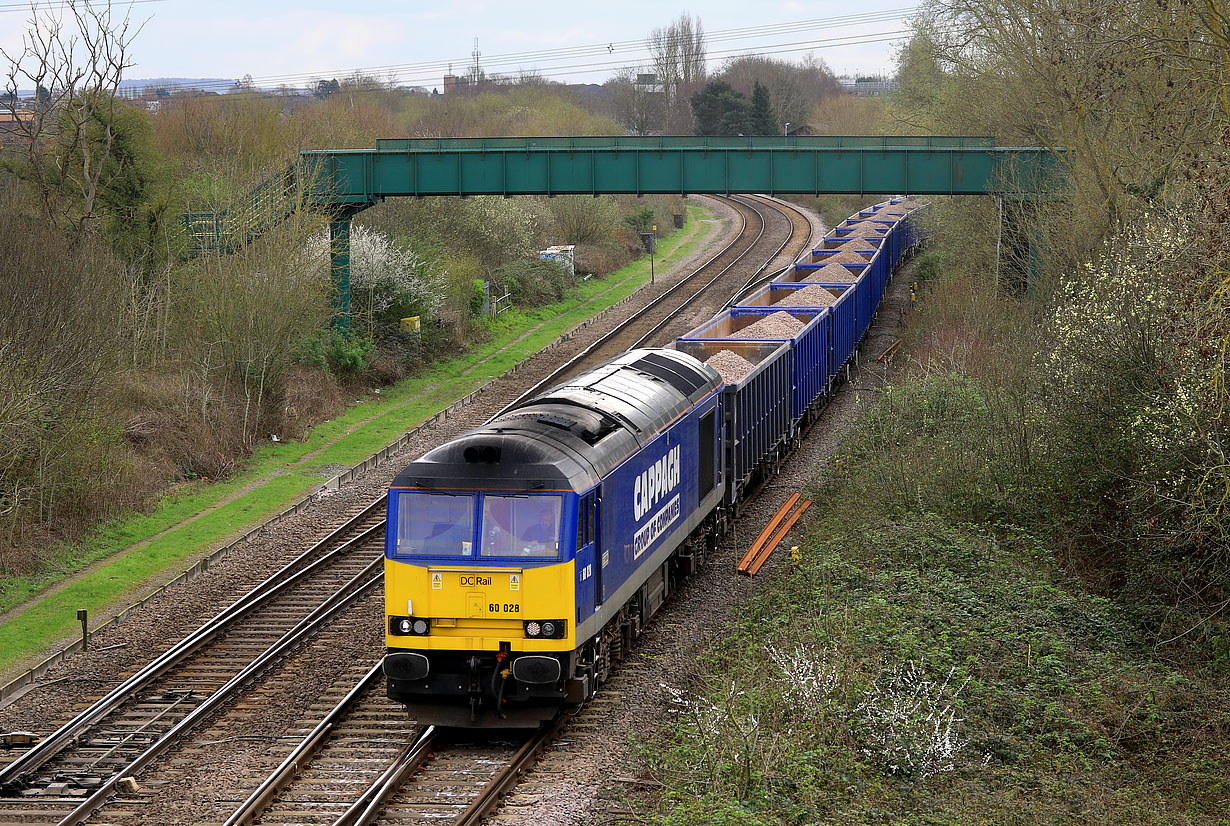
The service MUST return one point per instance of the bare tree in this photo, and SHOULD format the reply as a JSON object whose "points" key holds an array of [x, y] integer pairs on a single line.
{"points": [[678, 54], [580, 219], [638, 107], [1131, 94], [76, 62], [794, 88]]}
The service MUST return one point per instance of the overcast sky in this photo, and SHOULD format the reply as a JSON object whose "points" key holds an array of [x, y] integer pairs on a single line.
{"points": [[280, 41]]}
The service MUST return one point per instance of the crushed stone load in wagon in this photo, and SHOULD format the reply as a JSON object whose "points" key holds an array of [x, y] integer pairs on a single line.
{"points": [[865, 227], [843, 256], [810, 296], [730, 365], [858, 244], [778, 325], [832, 272]]}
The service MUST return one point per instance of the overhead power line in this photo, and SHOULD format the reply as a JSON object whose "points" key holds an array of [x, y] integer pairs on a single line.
{"points": [[60, 5], [636, 47], [595, 68], [415, 74]]}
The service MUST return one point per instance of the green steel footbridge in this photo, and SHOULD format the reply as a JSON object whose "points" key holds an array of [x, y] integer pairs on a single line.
{"points": [[341, 183]]}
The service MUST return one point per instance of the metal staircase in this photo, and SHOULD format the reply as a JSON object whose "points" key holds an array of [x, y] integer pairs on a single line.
{"points": [[266, 205]]}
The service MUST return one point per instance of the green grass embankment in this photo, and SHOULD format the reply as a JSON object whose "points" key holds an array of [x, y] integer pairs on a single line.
{"points": [[935, 657], [127, 555]]}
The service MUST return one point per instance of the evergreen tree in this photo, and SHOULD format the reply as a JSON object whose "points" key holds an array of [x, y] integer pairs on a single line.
{"points": [[720, 109], [764, 122]]}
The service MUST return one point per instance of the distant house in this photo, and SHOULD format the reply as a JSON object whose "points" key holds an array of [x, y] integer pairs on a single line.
{"points": [[803, 130], [648, 83], [11, 125], [866, 87]]}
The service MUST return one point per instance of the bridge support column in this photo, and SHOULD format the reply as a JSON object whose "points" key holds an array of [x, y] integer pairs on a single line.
{"points": [[339, 269]]}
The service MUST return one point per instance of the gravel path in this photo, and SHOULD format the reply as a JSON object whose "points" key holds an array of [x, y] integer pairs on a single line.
{"points": [[598, 776]]}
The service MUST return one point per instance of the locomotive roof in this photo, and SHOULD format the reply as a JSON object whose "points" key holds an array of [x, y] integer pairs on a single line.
{"points": [[567, 437]]}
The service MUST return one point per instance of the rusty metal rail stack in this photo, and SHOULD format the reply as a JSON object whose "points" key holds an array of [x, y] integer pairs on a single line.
{"points": [[772, 535]]}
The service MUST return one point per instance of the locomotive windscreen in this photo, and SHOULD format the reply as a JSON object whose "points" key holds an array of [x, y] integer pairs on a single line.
{"points": [[443, 525], [435, 524], [525, 526]]}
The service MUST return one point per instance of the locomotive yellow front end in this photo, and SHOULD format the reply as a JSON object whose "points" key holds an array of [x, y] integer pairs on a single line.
{"points": [[480, 604]]}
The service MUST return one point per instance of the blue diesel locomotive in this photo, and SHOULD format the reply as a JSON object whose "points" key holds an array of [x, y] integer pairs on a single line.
{"points": [[524, 557]]}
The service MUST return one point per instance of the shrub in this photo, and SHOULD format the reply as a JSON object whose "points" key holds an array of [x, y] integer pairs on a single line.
{"points": [[343, 355], [536, 282], [940, 442], [478, 296], [641, 220], [61, 462], [580, 219], [600, 259], [388, 281], [906, 722], [1134, 385]]}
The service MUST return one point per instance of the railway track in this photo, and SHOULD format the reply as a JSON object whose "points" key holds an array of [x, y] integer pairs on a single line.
{"points": [[427, 780], [365, 763], [72, 772], [700, 294], [798, 243], [367, 744]]}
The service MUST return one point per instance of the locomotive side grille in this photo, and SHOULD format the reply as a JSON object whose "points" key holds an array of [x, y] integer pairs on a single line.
{"points": [[675, 373]]}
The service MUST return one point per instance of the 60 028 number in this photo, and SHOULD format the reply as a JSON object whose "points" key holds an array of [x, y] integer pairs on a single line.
{"points": [[507, 608]]}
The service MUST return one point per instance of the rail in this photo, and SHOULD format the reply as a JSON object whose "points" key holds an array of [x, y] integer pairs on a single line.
{"points": [[587, 352], [289, 575], [302, 753], [358, 585]]}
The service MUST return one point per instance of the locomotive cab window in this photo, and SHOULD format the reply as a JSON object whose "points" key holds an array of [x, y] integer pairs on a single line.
{"points": [[521, 526], [435, 524], [708, 467], [585, 521]]}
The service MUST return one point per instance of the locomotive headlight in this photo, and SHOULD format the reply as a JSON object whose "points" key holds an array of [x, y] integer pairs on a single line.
{"points": [[555, 629], [409, 626]]}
